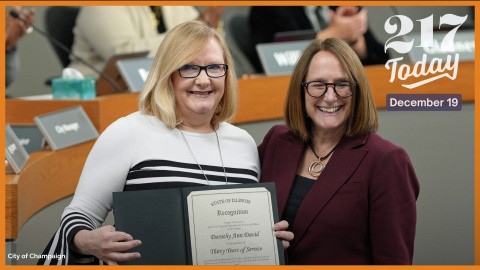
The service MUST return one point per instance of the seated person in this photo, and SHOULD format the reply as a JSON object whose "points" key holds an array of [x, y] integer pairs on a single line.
{"points": [[103, 31], [15, 29], [345, 22]]}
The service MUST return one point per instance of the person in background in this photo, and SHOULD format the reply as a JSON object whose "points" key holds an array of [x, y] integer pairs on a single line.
{"points": [[101, 32], [349, 23], [178, 138], [15, 29], [348, 194]]}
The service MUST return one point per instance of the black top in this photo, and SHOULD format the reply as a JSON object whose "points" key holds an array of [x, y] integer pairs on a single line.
{"points": [[300, 189]]}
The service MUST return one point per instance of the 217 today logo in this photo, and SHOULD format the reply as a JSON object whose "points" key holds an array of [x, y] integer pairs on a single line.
{"points": [[437, 68]]}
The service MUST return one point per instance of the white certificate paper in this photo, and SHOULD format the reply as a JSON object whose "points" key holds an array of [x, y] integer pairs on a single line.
{"points": [[232, 227]]}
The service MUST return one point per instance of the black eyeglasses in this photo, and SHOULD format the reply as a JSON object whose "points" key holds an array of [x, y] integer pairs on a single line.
{"points": [[318, 88], [213, 71]]}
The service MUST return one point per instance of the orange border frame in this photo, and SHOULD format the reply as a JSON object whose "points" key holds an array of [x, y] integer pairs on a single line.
{"points": [[476, 4], [477, 142]]}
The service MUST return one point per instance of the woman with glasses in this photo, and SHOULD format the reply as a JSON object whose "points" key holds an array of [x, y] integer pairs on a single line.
{"points": [[348, 194], [179, 138]]}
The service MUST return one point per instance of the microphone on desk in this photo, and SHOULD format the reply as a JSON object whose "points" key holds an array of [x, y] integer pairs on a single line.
{"points": [[57, 43]]}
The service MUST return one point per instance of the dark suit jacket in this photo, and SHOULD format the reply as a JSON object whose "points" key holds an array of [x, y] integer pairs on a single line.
{"points": [[265, 21], [362, 208]]}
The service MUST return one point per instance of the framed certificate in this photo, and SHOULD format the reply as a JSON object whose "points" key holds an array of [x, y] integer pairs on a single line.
{"points": [[232, 226], [214, 225]]}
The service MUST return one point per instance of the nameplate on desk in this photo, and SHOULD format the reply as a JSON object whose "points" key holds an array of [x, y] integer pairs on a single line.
{"points": [[280, 58], [463, 45], [66, 128], [15, 153], [134, 72], [29, 137]]}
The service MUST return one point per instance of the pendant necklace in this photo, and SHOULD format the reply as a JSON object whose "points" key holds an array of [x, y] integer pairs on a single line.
{"points": [[199, 166], [317, 166]]}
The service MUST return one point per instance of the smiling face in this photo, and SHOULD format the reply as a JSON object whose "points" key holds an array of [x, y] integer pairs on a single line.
{"points": [[330, 111], [197, 98]]}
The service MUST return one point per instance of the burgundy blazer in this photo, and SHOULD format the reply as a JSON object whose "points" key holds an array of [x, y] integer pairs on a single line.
{"points": [[362, 208]]}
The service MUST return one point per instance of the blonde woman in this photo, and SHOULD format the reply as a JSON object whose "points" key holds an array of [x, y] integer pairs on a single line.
{"points": [[178, 138]]}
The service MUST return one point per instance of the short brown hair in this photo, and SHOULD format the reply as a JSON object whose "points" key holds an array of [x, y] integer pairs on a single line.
{"points": [[181, 45], [363, 113]]}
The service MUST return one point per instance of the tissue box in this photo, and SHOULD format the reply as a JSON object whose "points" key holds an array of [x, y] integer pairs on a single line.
{"points": [[69, 88]]}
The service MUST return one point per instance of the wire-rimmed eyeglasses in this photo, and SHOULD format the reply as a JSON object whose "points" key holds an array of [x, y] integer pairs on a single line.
{"points": [[318, 88], [213, 71]]}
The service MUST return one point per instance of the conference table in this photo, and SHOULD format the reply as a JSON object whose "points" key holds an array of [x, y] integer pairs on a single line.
{"points": [[50, 175]]}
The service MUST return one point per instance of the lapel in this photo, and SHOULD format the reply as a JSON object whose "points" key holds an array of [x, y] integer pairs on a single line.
{"points": [[341, 166], [286, 159]]}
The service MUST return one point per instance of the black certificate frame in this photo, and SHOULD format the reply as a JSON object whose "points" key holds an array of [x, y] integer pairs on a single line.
{"points": [[159, 218]]}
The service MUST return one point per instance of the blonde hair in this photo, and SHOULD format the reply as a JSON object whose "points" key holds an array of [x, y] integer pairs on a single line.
{"points": [[180, 46], [363, 116]]}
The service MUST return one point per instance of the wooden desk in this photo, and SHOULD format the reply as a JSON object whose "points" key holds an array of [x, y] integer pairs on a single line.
{"points": [[262, 98], [102, 111], [49, 176]]}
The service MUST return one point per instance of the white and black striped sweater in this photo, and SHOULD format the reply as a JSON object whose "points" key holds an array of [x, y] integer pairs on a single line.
{"points": [[139, 152]]}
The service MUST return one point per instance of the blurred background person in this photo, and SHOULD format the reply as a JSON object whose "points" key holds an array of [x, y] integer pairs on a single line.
{"points": [[348, 23], [15, 29], [104, 31]]}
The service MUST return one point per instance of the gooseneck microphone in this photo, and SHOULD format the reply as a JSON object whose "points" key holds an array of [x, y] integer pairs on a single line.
{"points": [[57, 43]]}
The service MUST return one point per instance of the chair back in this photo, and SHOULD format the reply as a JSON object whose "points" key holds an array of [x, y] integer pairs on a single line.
{"points": [[59, 21], [238, 32]]}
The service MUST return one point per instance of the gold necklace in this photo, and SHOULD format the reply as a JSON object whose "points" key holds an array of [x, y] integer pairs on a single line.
{"points": [[317, 166]]}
